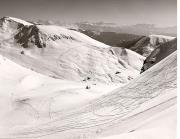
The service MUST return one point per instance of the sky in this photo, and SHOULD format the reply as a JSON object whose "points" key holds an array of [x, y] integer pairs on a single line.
{"points": [[122, 12]]}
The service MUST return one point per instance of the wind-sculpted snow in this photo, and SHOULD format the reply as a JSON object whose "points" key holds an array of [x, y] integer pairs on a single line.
{"points": [[110, 110]]}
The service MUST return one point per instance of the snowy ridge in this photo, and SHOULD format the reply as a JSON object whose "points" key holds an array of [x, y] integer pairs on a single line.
{"points": [[158, 39], [22, 29], [57, 30], [161, 36], [10, 24], [19, 21], [9, 27], [69, 55]]}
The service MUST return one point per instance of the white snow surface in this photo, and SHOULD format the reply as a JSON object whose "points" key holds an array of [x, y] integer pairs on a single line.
{"points": [[20, 21], [43, 91], [57, 30], [125, 109], [70, 55], [18, 81], [156, 39], [162, 36], [162, 125]]}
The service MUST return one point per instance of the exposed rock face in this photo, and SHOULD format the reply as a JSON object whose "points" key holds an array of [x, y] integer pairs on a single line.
{"points": [[9, 27], [159, 53], [30, 34], [141, 46], [8, 24]]}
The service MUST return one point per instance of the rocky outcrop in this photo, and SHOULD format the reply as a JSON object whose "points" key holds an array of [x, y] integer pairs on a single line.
{"points": [[30, 35], [145, 45], [159, 53]]}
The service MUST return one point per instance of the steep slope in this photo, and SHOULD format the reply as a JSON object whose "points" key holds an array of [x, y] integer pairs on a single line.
{"points": [[24, 32], [125, 108], [67, 54], [130, 57], [10, 23], [52, 33], [9, 26], [159, 53]]}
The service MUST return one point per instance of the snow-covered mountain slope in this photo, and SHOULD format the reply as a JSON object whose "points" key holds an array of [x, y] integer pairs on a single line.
{"points": [[28, 32], [161, 125], [18, 21], [21, 88], [130, 57], [123, 110], [161, 52], [42, 34], [147, 44], [9, 27], [8, 23], [67, 54]]}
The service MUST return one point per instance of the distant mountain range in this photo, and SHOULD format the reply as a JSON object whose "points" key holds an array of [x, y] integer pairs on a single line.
{"points": [[138, 29], [135, 37]]}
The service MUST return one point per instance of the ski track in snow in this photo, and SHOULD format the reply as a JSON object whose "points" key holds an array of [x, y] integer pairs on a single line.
{"points": [[99, 115], [34, 105]]}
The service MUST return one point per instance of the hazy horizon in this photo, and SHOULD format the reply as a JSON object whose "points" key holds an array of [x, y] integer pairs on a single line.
{"points": [[162, 13]]}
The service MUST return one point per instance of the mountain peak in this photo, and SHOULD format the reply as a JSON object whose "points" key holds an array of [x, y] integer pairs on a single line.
{"points": [[17, 20]]}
